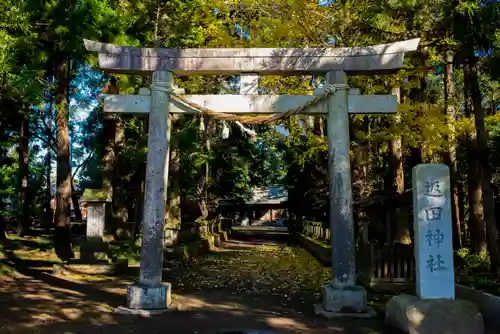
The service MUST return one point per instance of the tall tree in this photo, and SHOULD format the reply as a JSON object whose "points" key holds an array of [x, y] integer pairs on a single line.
{"points": [[472, 40], [400, 215], [22, 197], [450, 156]]}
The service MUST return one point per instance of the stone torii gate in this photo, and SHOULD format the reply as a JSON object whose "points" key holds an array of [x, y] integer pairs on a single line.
{"points": [[342, 296]]}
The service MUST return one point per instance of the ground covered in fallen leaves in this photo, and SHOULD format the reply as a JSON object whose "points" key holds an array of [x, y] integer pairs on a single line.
{"points": [[276, 270], [257, 281]]}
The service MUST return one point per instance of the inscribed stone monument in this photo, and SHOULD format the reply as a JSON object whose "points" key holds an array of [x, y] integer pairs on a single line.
{"points": [[433, 234], [434, 309], [95, 221], [94, 248], [96, 200]]}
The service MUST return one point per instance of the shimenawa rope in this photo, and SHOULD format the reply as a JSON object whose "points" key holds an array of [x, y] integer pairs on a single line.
{"points": [[272, 117]]}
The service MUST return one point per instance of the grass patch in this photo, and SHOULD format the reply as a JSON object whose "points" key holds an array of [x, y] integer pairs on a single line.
{"points": [[32, 244], [34, 251], [317, 242], [318, 249], [90, 278], [40, 249], [476, 270], [125, 250], [5, 270], [37, 250], [485, 282]]}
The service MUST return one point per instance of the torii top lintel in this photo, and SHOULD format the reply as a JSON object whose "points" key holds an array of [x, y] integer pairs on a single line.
{"points": [[376, 59]]}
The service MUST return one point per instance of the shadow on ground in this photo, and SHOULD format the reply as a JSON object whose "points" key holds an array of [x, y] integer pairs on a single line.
{"points": [[257, 282], [30, 243]]}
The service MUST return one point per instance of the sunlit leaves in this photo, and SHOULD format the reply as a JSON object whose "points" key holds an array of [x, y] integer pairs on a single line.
{"points": [[277, 270]]}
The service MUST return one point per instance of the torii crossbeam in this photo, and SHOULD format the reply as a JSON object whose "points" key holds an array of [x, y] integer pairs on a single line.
{"points": [[376, 59], [335, 63], [250, 104]]}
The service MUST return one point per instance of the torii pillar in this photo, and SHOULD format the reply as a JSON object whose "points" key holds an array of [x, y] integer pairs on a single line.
{"points": [[342, 297], [151, 293]]}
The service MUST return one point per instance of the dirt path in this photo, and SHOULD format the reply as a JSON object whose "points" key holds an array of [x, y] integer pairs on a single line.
{"points": [[256, 283]]}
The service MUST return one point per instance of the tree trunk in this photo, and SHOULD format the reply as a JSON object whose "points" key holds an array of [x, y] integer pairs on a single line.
{"points": [[367, 155], [49, 215], [174, 195], [139, 202], [108, 157], [416, 157], [107, 161], [169, 190], [496, 190], [450, 156], [22, 191], [139, 189], [400, 215], [310, 123], [373, 151], [360, 186], [62, 234], [201, 188], [461, 210], [173, 205], [482, 146], [476, 223], [120, 212], [108, 153], [320, 126], [3, 232], [76, 205], [418, 94]]}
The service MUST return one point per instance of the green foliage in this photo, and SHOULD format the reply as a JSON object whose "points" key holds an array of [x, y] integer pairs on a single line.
{"points": [[38, 37], [124, 250], [93, 195], [8, 171], [474, 262], [482, 283]]}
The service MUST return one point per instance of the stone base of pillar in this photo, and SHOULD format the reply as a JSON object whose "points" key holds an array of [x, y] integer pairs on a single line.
{"points": [[344, 302], [149, 298], [410, 314]]}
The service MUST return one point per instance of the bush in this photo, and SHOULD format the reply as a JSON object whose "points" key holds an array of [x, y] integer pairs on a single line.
{"points": [[474, 262]]}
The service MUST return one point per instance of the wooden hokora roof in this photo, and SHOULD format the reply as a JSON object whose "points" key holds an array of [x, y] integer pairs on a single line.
{"points": [[270, 195], [382, 58], [273, 195]]}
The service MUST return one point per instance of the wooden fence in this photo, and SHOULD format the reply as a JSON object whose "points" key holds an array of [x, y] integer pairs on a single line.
{"points": [[386, 268], [315, 230]]}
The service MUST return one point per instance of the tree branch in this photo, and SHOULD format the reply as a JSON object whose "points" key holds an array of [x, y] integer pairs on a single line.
{"points": [[48, 131], [84, 162], [44, 140]]}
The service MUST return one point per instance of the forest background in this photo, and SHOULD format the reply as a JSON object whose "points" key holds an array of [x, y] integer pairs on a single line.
{"points": [[55, 140]]}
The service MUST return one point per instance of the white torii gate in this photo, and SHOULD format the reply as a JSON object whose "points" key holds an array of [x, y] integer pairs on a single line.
{"points": [[342, 296]]}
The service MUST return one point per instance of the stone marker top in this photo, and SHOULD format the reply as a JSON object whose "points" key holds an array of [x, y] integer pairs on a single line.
{"points": [[96, 195], [374, 59]]}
